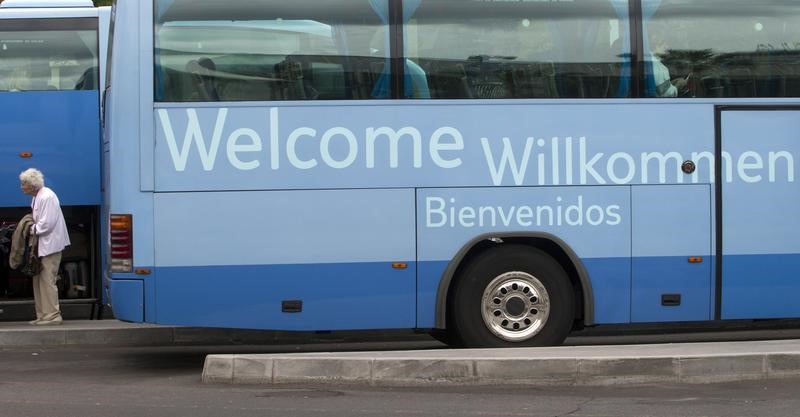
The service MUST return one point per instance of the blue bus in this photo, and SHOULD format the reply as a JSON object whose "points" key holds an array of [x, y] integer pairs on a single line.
{"points": [[51, 56], [495, 172]]}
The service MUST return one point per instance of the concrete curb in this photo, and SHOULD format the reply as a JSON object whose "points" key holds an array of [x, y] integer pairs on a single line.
{"points": [[598, 365]]}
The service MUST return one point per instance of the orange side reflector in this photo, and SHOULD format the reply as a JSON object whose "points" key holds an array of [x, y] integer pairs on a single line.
{"points": [[695, 260], [399, 265], [142, 271], [25, 154]]}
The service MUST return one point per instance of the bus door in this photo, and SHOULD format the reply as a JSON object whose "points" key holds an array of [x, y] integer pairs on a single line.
{"points": [[50, 108], [760, 273], [50, 120]]}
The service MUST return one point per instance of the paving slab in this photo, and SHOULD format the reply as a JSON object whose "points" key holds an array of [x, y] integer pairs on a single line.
{"points": [[85, 333], [565, 365]]}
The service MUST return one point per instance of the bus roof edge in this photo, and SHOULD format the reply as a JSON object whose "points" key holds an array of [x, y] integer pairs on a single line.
{"points": [[45, 3]]}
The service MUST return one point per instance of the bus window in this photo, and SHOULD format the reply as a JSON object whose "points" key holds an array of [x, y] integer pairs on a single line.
{"points": [[47, 59], [269, 50], [721, 48], [490, 50]]}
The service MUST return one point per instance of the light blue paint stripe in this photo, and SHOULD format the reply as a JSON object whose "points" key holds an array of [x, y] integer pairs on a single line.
{"points": [[671, 220], [284, 227], [444, 144]]}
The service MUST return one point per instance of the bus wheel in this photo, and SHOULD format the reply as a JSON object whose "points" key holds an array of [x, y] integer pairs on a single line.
{"points": [[513, 295]]}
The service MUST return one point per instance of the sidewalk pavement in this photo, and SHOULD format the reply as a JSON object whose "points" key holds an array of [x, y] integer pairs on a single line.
{"points": [[118, 333], [587, 358], [85, 333]]}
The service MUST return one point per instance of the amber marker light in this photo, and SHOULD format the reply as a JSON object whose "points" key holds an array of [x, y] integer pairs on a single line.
{"points": [[399, 265], [695, 260]]}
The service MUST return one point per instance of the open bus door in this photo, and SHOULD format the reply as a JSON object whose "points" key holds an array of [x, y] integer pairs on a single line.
{"points": [[50, 119]]}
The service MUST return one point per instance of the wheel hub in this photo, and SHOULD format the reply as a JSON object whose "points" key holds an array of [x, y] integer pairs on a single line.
{"points": [[515, 306]]}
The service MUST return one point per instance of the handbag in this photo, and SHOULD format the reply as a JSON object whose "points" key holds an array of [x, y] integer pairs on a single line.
{"points": [[31, 265]]}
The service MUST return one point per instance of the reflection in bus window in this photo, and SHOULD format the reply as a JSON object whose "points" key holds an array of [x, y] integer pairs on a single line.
{"points": [[490, 50], [269, 50], [48, 60], [730, 48]]}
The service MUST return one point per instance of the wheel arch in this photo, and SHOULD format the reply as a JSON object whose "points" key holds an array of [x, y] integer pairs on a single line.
{"points": [[547, 242]]}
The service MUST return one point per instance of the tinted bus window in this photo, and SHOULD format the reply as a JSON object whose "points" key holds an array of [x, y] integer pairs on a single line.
{"points": [[271, 50], [487, 50], [722, 48], [48, 54]]}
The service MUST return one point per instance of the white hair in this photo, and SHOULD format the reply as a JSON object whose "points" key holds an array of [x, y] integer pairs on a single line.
{"points": [[32, 177]]}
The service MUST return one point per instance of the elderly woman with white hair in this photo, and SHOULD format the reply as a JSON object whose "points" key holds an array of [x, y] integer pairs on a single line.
{"points": [[51, 229]]}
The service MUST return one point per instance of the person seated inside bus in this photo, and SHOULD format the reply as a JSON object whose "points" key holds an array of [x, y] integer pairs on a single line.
{"points": [[201, 71], [88, 80], [661, 83]]}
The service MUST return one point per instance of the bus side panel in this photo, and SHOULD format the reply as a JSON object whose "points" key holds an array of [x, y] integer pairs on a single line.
{"points": [[594, 221], [126, 134], [231, 259], [671, 225], [61, 132], [129, 296]]}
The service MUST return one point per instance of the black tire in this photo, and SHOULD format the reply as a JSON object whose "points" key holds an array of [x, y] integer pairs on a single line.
{"points": [[447, 336], [512, 295]]}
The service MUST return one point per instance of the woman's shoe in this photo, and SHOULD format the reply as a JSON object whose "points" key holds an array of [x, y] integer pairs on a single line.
{"points": [[49, 322]]}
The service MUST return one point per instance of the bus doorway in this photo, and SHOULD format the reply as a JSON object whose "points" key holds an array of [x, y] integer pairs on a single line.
{"points": [[78, 286]]}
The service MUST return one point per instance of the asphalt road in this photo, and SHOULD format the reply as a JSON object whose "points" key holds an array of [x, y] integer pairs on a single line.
{"points": [[165, 381]]}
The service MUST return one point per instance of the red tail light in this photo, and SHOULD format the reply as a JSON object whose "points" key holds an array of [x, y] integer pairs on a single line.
{"points": [[121, 242]]}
